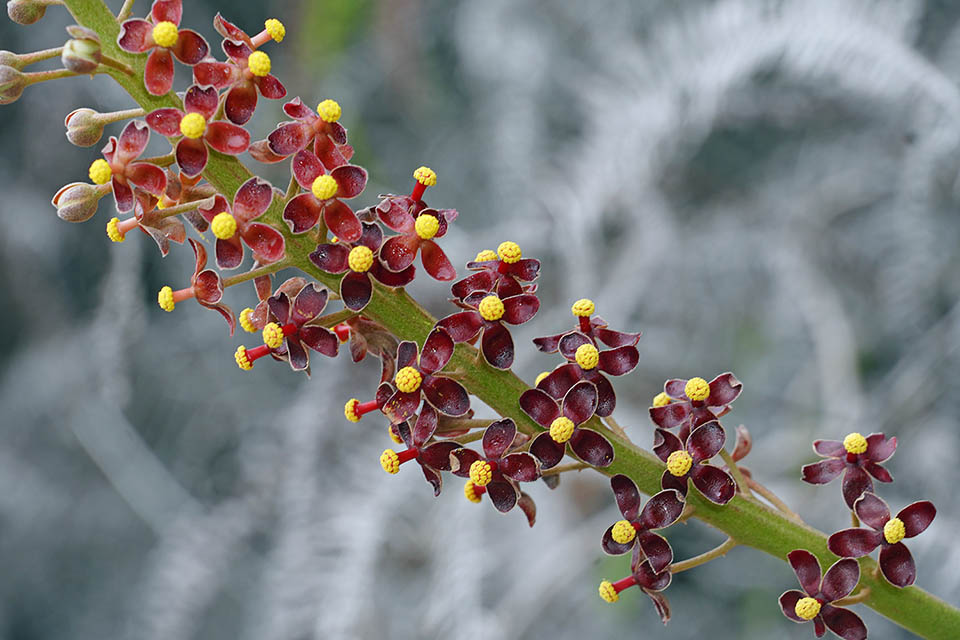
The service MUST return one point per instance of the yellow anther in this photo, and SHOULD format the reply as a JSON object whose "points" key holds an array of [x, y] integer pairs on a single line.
{"points": [[540, 377], [350, 410], [193, 125], [608, 593], [390, 461], [587, 356], [275, 28], [408, 380], [324, 187], [242, 360], [491, 308], [425, 176], [561, 429], [485, 256], [329, 110], [360, 259], [259, 63], [165, 299], [623, 532], [697, 389], [661, 399], [394, 435], [273, 335], [855, 443], [426, 226], [334, 239], [113, 232], [223, 225], [165, 34], [583, 307], [470, 492], [245, 321], [100, 171], [509, 252], [807, 608], [161, 205], [679, 463], [481, 473], [894, 531]]}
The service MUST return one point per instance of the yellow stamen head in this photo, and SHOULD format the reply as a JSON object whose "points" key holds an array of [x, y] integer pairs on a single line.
{"points": [[242, 360], [481, 473], [587, 356], [324, 187], [426, 226], [540, 377], [470, 492], [623, 532], [350, 410], [275, 28], [259, 63], [193, 125], [661, 399], [561, 429], [113, 232], [894, 531], [485, 256], [391, 431], [100, 171], [272, 335], [408, 380], [608, 593], [697, 389], [583, 308], [165, 299], [329, 111], [245, 321], [165, 34], [223, 225], [807, 608], [491, 308], [509, 252], [425, 176], [360, 258], [161, 205], [679, 463], [390, 461], [855, 443]]}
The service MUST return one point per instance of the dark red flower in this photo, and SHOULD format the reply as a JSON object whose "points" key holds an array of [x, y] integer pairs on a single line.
{"points": [[205, 286], [487, 313], [562, 421], [814, 602], [896, 562], [593, 327], [160, 36], [362, 260], [354, 410], [234, 223], [303, 212], [119, 169], [649, 581], [416, 235], [857, 457], [416, 376], [432, 458], [690, 403], [661, 511], [496, 470], [502, 272], [689, 461], [321, 127]]}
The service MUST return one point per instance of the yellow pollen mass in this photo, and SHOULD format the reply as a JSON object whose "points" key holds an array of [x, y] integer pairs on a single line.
{"points": [[583, 308], [160, 204], [425, 176], [661, 399], [697, 389], [390, 461], [408, 380], [329, 110], [165, 34], [485, 256], [113, 232], [240, 355], [100, 171], [509, 252], [679, 463], [350, 410], [894, 531], [165, 299], [540, 377], [394, 435], [491, 308], [193, 125], [275, 28], [360, 259], [426, 226], [855, 443], [324, 188], [561, 429], [623, 532], [807, 608], [481, 473], [223, 225], [259, 63], [245, 321], [470, 492], [587, 356], [272, 335], [608, 593]]}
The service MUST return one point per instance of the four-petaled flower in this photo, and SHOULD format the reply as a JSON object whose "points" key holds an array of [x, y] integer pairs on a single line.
{"points": [[289, 331], [857, 457], [689, 461], [594, 327], [815, 601], [503, 272], [231, 224], [303, 212], [432, 458], [643, 576], [329, 137], [690, 403], [205, 285], [119, 169], [416, 373], [562, 421], [661, 511], [488, 313], [417, 232], [896, 562]]}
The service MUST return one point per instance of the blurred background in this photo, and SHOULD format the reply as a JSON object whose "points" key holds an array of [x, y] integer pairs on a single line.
{"points": [[769, 188]]}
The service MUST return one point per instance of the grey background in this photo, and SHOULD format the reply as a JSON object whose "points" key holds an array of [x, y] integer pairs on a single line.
{"points": [[763, 187]]}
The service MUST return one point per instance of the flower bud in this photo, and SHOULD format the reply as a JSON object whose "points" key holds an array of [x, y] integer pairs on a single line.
{"points": [[77, 201], [12, 83], [10, 59], [82, 53], [26, 11], [84, 127]]}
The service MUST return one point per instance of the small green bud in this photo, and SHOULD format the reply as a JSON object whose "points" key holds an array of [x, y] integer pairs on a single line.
{"points": [[81, 54], [84, 127], [77, 201], [26, 11], [12, 84]]}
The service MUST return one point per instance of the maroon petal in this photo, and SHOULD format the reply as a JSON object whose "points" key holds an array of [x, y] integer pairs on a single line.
{"points": [[824, 471], [661, 510], [547, 451], [350, 179], [538, 404], [306, 168], [158, 74], [462, 326], [854, 543], [267, 243], [665, 443], [398, 252], [461, 460], [391, 279], [829, 448], [167, 11], [855, 483], [724, 389], [627, 496], [706, 441], [435, 261], [497, 346], [356, 290], [619, 361], [503, 495], [227, 138], [878, 472], [229, 30], [303, 213], [229, 252], [897, 565], [649, 579], [320, 339], [190, 48], [670, 415], [136, 36], [252, 199], [207, 287], [519, 309], [615, 339], [191, 156], [714, 483], [591, 447], [342, 221], [675, 388], [437, 455], [879, 448], [843, 622], [217, 74], [917, 517], [807, 568], [572, 341], [122, 195], [657, 549], [480, 281], [288, 138], [331, 155], [498, 437], [611, 546], [840, 579], [424, 427], [448, 396], [133, 140], [529, 508], [308, 304], [437, 351], [521, 466], [547, 344], [526, 269], [406, 354], [401, 406], [560, 380], [580, 402], [147, 177], [788, 603], [395, 213], [299, 357], [270, 87], [280, 307], [670, 481], [433, 477], [165, 121]]}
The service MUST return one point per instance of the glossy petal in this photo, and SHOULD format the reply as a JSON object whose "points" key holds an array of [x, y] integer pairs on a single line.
{"points": [[267, 243], [437, 455], [202, 100], [227, 138], [878, 472], [270, 87], [241, 102], [132, 141], [448, 396], [580, 402], [665, 443], [497, 346], [165, 121], [619, 361], [503, 495], [591, 447], [217, 74], [856, 482], [788, 603], [437, 351], [829, 448], [148, 177], [675, 388], [627, 495], [611, 546], [208, 287], [461, 460], [879, 448], [288, 138], [158, 74], [350, 179], [519, 309], [401, 406], [167, 10], [706, 441], [572, 341], [391, 279], [671, 415], [433, 477], [136, 36], [191, 156], [498, 437], [824, 471], [657, 549], [661, 510], [670, 481], [840, 579], [395, 213], [229, 30], [714, 483], [342, 221], [843, 622], [529, 508], [538, 404], [330, 154], [356, 290], [406, 354], [320, 339], [560, 380], [280, 307], [399, 252], [435, 261], [252, 199], [306, 167], [480, 281], [897, 565], [854, 543], [520, 466], [917, 517], [229, 252], [615, 339], [547, 451], [462, 326], [649, 579], [724, 389], [303, 213], [807, 568], [424, 427], [122, 195], [308, 304], [546, 344], [298, 356]]}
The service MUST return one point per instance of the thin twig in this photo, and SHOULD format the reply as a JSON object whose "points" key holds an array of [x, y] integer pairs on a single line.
{"points": [[255, 273], [573, 466], [773, 499], [862, 595], [704, 558], [125, 10], [185, 207], [735, 470], [614, 426]]}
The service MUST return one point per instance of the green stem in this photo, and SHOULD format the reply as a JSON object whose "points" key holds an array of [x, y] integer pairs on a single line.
{"points": [[562, 468], [703, 558], [125, 10], [186, 206], [55, 74], [116, 64], [735, 470], [255, 273], [39, 56]]}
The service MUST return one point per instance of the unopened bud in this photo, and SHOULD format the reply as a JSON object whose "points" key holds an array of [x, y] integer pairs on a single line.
{"points": [[12, 84], [77, 201], [744, 444], [84, 127], [26, 11], [10, 59], [82, 53]]}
